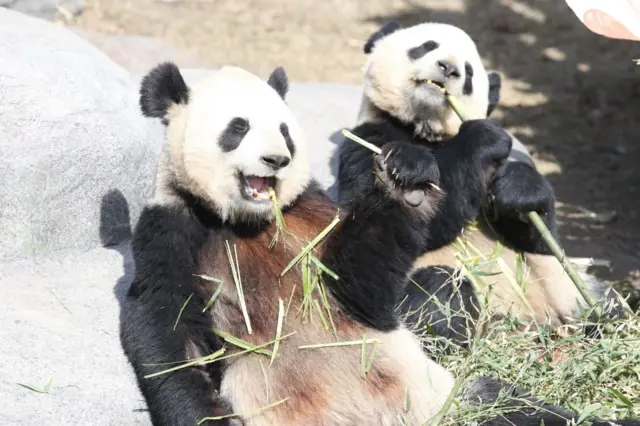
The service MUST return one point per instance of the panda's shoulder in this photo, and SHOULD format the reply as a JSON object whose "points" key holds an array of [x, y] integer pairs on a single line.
{"points": [[163, 224]]}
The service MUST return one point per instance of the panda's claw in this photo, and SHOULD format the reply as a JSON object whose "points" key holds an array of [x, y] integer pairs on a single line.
{"points": [[388, 155]]}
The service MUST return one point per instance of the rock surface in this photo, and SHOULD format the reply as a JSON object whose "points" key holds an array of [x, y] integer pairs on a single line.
{"points": [[70, 132], [60, 320], [137, 54], [46, 9]]}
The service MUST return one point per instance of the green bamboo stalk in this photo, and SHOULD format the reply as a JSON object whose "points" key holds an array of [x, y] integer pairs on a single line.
{"points": [[559, 254]]}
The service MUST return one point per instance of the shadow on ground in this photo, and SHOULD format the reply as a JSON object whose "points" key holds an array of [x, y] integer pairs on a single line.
{"points": [[115, 234]]}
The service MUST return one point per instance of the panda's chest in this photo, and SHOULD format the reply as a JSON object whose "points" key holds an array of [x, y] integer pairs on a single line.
{"points": [[312, 377]]}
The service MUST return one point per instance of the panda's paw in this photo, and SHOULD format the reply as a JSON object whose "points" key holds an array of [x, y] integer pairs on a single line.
{"points": [[409, 171], [518, 188], [487, 141], [408, 166]]}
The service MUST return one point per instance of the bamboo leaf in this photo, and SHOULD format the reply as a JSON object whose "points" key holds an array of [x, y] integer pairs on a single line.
{"points": [[240, 343], [311, 245], [181, 311], [213, 298]]}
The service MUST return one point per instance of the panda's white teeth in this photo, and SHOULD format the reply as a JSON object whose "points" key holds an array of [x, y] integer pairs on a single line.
{"points": [[438, 84], [258, 187]]}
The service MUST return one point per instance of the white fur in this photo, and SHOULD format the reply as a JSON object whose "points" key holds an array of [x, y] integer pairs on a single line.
{"points": [[197, 158], [336, 394], [389, 76]]}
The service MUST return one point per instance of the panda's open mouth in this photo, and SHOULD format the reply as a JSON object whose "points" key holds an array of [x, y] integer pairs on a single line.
{"points": [[256, 188], [431, 82]]}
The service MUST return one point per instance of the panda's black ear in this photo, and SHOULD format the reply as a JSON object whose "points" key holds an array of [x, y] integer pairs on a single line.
{"points": [[495, 83], [386, 29], [161, 88], [279, 81]]}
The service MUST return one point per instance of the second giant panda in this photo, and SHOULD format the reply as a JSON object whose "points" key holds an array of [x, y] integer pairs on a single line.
{"points": [[211, 285], [402, 103]]}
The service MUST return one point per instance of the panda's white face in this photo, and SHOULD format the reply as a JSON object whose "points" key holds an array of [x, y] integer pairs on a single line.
{"points": [[400, 65], [235, 138]]}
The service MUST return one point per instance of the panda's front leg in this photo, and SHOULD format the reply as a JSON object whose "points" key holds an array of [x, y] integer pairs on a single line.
{"points": [[518, 188], [162, 321], [381, 236]]}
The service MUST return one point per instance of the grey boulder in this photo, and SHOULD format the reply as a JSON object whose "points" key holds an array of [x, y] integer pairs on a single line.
{"points": [[45, 9], [71, 133]]}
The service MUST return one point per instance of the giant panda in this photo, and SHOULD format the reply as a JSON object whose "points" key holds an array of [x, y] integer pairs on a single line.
{"points": [[402, 102], [209, 278]]}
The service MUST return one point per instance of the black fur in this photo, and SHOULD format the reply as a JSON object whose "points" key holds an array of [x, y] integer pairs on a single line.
{"points": [[373, 274], [518, 188], [161, 88], [495, 84], [438, 305], [464, 161], [384, 31], [467, 89], [291, 146], [165, 248], [236, 130], [409, 165], [279, 81], [418, 52]]}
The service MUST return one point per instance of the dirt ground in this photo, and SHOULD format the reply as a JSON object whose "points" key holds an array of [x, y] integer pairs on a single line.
{"points": [[570, 95]]}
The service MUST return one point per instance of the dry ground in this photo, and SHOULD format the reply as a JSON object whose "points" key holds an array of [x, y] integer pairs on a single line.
{"points": [[571, 96]]}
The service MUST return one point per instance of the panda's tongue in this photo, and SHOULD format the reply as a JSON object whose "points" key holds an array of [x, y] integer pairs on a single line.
{"points": [[258, 183]]}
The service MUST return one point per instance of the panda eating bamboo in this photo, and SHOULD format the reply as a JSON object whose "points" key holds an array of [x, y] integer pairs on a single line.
{"points": [[403, 102], [218, 326]]}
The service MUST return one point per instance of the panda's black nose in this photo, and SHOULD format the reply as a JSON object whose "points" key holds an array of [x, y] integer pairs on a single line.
{"points": [[448, 69], [276, 162]]}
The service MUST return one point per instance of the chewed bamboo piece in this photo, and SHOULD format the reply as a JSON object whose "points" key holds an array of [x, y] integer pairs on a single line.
{"points": [[453, 102]]}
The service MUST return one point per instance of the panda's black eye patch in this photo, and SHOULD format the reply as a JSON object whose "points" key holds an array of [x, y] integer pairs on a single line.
{"points": [[468, 69], [233, 134], [467, 89], [419, 51], [284, 130], [240, 125]]}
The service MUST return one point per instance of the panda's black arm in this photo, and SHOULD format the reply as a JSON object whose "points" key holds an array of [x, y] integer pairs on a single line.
{"points": [[517, 189], [382, 234], [355, 171], [371, 253], [165, 248]]}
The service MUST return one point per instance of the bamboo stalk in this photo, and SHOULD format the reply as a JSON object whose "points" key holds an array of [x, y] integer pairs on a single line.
{"points": [[361, 141], [559, 254]]}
